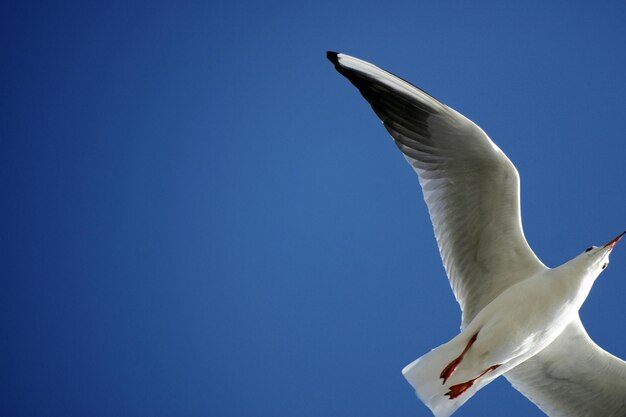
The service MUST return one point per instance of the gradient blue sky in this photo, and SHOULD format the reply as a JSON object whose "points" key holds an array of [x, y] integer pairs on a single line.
{"points": [[202, 218]]}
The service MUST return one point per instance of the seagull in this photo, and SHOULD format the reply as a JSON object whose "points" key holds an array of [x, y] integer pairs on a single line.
{"points": [[519, 318]]}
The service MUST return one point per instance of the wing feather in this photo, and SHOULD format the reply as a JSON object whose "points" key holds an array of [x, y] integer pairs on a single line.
{"points": [[470, 186], [573, 377]]}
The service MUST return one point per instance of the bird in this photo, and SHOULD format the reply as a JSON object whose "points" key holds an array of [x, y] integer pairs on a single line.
{"points": [[519, 318]]}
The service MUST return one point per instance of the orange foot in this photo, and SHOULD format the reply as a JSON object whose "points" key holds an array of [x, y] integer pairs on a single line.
{"points": [[449, 370], [458, 389]]}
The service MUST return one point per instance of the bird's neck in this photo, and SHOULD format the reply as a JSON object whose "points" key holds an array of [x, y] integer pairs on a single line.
{"points": [[576, 281]]}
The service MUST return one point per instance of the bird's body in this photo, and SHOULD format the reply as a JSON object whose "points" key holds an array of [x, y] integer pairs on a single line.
{"points": [[515, 326], [529, 315], [520, 318]]}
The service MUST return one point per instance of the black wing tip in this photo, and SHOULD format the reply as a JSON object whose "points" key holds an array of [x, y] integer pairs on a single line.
{"points": [[333, 57]]}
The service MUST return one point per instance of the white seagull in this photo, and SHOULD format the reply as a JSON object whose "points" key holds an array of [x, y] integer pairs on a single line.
{"points": [[519, 318]]}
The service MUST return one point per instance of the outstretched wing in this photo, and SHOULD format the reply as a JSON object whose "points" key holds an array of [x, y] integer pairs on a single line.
{"points": [[573, 377], [470, 186]]}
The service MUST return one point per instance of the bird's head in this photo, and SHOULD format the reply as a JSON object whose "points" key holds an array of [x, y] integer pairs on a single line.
{"points": [[597, 257]]}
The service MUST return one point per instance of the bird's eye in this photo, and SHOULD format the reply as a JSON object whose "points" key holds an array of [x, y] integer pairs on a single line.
{"points": [[589, 248], [604, 266]]}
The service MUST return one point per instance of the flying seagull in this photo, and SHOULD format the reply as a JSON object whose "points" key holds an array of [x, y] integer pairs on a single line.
{"points": [[519, 318]]}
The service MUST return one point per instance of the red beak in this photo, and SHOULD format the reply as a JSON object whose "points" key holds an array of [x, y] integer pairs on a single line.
{"points": [[612, 243]]}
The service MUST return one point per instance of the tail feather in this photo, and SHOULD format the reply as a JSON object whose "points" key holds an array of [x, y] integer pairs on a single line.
{"points": [[424, 376]]}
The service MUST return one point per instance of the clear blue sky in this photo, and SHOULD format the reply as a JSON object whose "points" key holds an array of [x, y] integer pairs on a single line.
{"points": [[202, 218]]}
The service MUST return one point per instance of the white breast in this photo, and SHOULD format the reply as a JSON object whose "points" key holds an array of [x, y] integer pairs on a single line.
{"points": [[527, 317]]}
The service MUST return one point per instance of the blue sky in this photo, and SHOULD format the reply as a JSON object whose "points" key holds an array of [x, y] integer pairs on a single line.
{"points": [[202, 218]]}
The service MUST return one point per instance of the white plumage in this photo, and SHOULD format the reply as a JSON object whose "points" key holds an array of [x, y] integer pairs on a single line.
{"points": [[520, 318]]}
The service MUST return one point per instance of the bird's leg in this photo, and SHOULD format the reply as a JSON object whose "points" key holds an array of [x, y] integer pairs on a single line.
{"points": [[449, 370], [458, 389]]}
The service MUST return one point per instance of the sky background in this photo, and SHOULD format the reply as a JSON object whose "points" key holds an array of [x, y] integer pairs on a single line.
{"points": [[200, 217]]}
